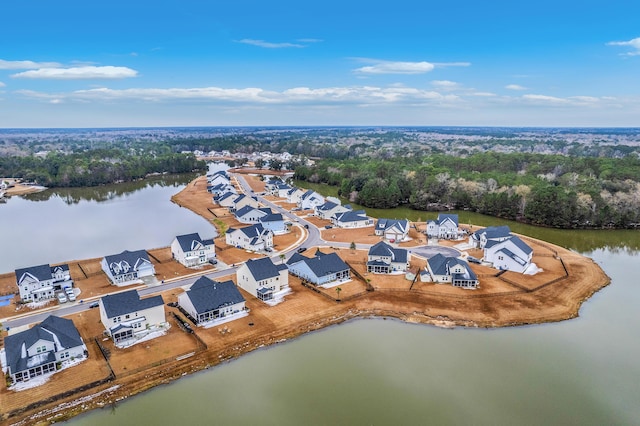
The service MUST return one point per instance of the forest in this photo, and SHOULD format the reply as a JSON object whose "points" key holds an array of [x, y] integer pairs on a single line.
{"points": [[549, 190]]}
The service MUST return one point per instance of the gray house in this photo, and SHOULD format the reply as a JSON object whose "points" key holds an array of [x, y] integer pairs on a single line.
{"points": [[127, 267], [321, 269], [40, 282], [209, 300]]}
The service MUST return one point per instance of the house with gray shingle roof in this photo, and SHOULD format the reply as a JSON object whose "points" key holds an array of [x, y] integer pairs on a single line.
{"points": [[491, 233], [226, 199], [243, 200], [41, 282], [191, 250], [37, 351], [309, 200], [444, 227], [352, 219], [385, 259], [329, 209], [275, 223], [127, 267], [322, 269], [128, 318], [263, 279], [451, 270], [393, 230], [208, 300], [511, 254], [255, 237], [250, 214]]}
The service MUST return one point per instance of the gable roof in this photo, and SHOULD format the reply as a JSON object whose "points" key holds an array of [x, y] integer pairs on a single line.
{"points": [[521, 244], [40, 272], [441, 265], [385, 224], [252, 231], [126, 261], [128, 302], [274, 217], [51, 329], [248, 209], [264, 268], [442, 217], [207, 295], [494, 232], [322, 264], [189, 242], [351, 216], [383, 249]]}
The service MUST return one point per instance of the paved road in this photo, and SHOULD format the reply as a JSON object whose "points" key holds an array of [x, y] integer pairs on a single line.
{"points": [[313, 239]]}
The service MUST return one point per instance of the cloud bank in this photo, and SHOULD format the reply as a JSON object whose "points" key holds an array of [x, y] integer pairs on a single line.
{"points": [[78, 73]]}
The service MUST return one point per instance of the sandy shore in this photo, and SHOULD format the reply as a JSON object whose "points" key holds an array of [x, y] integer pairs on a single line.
{"points": [[570, 280]]}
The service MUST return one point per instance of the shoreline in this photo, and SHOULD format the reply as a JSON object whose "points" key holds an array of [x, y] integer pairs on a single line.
{"points": [[584, 279]]}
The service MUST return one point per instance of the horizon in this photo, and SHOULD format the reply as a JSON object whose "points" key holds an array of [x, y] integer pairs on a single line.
{"points": [[337, 64]]}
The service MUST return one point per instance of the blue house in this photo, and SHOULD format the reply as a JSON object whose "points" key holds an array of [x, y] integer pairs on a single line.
{"points": [[319, 270]]}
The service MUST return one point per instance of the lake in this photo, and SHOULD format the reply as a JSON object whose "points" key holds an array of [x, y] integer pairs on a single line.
{"points": [[372, 371]]}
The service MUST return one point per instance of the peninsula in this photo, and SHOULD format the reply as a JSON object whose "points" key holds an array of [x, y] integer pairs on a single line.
{"points": [[503, 299]]}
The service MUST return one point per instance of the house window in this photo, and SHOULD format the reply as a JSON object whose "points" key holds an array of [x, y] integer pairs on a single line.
{"points": [[41, 349], [127, 316], [64, 355], [500, 258]]}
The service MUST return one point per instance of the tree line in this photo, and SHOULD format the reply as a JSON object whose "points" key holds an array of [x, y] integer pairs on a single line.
{"points": [[549, 190]]}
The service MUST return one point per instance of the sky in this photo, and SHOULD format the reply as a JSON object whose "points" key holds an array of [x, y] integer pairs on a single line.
{"points": [[130, 63]]}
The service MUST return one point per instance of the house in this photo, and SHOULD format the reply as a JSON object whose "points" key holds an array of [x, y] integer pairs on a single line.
{"points": [[352, 219], [191, 250], [321, 269], [255, 237], [250, 214], [263, 279], [511, 254], [281, 190], [221, 188], [209, 300], [127, 318], [445, 227], [452, 270], [309, 200], [480, 238], [226, 199], [38, 350], [294, 195], [127, 267], [219, 177], [384, 259], [393, 229], [329, 209], [41, 282], [271, 184], [243, 200], [275, 223]]}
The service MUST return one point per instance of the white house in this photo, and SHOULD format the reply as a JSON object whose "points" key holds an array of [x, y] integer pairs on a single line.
{"points": [[243, 200], [191, 250], [255, 237], [322, 269], [127, 267], [275, 223], [328, 209], [263, 279], [511, 254], [480, 238], [385, 259], [250, 214], [451, 270], [127, 318], [36, 351], [309, 200], [294, 195], [352, 219], [209, 300], [40, 282], [226, 199], [393, 230], [219, 177], [445, 227]]}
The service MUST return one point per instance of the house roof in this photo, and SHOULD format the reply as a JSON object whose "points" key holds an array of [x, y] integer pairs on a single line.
{"points": [[442, 217], [513, 256], [226, 195], [441, 265], [383, 249], [386, 224], [327, 205], [521, 244], [51, 329], [351, 216], [207, 295], [494, 232], [128, 302], [126, 261], [248, 209], [40, 272], [322, 264], [190, 242], [264, 268], [253, 231], [274, 217]]}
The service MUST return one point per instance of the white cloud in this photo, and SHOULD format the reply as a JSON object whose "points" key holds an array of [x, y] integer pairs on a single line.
{"points": [[544, 99], [269, 45], [445, 84], [633, 43], [309, 40], [483, 94], [451, 64], [78, 73], [2, 84], [515, 87], [389, 67], [26, 65]]}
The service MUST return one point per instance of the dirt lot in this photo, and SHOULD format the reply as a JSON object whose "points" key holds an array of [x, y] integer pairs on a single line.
{"points": [[511, 299]]}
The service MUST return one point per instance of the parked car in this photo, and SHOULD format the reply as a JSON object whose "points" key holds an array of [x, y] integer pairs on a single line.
{"points": [[62, 298], [94, 304], [70, 294], [301, 249]]}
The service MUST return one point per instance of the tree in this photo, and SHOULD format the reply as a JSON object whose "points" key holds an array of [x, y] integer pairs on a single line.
{"points": [[259, 163], [338, 290], [352, 246], [282, 256]]}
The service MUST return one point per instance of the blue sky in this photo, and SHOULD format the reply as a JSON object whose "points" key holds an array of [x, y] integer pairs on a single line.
{"points": [[244, 62]]}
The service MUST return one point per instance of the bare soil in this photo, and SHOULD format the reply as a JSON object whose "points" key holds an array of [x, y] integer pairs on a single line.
{"points": [[509, 299]]}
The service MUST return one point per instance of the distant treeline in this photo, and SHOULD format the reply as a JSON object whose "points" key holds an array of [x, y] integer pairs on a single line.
{"points": [[97, 166], [550, 190]]}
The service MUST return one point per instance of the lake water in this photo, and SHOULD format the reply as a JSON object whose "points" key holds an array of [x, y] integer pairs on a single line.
{"points": [[365, 372]]}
